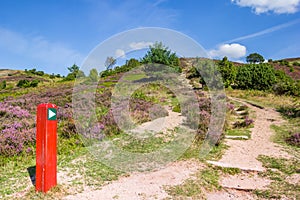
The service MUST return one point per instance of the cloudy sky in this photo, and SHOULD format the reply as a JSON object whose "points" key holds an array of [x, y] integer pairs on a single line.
{"points": [[53, 35]]}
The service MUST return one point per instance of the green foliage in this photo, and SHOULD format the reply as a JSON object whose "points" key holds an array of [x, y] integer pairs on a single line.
{"points": [[130, 64], [93, 76], [256, 76], [285, 84], [33, 71], [296, 63], [160, 54], [52, 76], [3, 85], [228, 71], [255, 58], [27, 83], [74, 73], [284, 62]]}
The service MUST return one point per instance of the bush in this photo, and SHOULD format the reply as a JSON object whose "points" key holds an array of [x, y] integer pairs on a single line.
{"points": [[23, 83], [228, 71], [33, 71], [294, 140], [16, 134], [3, 85], [296, 63], [256, 76], [27, 83], [160, 54], [285, 84], [130, 64]]}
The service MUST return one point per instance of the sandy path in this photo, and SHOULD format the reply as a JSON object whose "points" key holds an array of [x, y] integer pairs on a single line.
{"points": [[243, 153], [143, 185], [147, 185]]}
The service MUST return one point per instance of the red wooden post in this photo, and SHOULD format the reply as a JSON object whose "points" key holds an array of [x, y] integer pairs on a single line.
{"points": [[46, 143]]}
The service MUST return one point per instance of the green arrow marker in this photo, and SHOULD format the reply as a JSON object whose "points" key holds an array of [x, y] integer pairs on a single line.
{"points": [[52, 114]]}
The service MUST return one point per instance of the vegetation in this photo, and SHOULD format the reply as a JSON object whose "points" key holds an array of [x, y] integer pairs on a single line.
{"points": [[255, 58], [228, 72], [255, 76], [160, 54], [21, 92], [74, 73], [2, 85], [27, 84]]}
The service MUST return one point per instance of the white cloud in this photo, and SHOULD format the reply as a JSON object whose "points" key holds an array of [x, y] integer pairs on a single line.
{"points": [[37, 51], [233, 51], [120, 53], [264, 6], [140, 45]]}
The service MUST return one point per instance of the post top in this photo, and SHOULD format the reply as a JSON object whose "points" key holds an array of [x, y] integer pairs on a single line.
{"points": [[47, 105]]}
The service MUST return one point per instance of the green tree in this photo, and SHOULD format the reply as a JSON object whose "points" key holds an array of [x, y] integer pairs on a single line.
{"points": [[255, 58], [74, 73], [228, 71], [132, 63], [93, 76], [160, 54]]}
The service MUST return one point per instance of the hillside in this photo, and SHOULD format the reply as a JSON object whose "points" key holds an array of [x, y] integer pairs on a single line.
{"points": [[161, 115]]}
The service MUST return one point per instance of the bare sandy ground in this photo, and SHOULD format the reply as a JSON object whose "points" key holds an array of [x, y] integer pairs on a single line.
{"points": [[148, 185], [242, 154]]}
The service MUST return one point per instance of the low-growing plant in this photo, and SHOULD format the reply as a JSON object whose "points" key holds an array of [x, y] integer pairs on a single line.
{"points": [[294, 139]]}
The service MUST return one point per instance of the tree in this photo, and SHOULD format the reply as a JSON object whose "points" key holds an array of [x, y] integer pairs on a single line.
{"points": [[74, 73], [110, 62], [132, 63], [160, 54], [93, 76], [255, 58], [228, 71]]}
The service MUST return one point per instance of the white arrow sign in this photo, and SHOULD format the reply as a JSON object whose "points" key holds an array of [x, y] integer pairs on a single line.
{"points": [[51, 114]]}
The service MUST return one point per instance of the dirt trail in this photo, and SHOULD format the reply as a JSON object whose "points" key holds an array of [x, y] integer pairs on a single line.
{"points": [[242, 154], [146, 186]]}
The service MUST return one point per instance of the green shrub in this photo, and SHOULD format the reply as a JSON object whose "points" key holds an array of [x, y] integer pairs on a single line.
{"points": [[160, 54], [285, 84], [3, 85], [296, 63], [27, 83], [256, 76], [130, 64], [228, 71]]}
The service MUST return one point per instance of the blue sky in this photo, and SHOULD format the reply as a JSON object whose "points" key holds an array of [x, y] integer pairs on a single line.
{"points": [[52, 35]]}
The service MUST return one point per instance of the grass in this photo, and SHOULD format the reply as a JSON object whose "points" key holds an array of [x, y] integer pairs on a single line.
{"points": [[266, 99], [239, 132], [14, 175], [140, 145], [205, 180], [134, 77], [278, 170], [287, 166]]}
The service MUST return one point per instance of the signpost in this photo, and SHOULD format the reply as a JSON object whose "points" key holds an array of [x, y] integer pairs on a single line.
{"points": [[46, 143]]}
